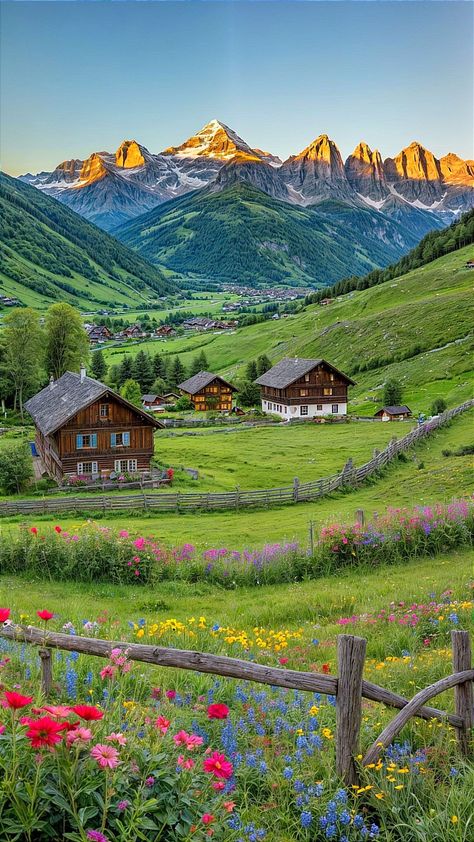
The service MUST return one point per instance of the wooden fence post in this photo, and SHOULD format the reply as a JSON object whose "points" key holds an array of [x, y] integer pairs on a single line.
{"points": [[463, 693], [311, 537], [46, 671], [350, 656], [360, 516], [296, 485]]}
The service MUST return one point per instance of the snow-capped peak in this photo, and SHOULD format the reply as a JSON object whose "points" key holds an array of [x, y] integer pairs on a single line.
{"points": [[214, 140]]}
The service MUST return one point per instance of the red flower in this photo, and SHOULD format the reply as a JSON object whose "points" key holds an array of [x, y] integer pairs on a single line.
{"points": [[88, 712], [44, 732], [283, 661], [45, 615], [58, 529], [326, 669], [171, 694], [207, 818], [4, 614], [16, 700], [34, 530], [217, 765], [218, 711]]}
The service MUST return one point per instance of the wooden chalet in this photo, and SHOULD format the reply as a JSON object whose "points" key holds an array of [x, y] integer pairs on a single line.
{"points": [[83, 427], [208, 392], [393, 413], [98, 333], [165, 330], [297, 388]]}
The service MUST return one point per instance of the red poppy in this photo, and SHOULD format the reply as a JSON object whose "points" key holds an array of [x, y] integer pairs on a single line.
{"points": [[283, 661], [326, 669], [4, 614], [45, 615], [58, 529], [207, 818], [44, 732], [88, 712], [34, 530], [218, 711], [16, 700]]}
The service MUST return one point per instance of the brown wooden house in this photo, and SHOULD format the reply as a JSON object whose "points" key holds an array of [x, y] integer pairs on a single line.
{"points": [[83, 427], [297, 388], [393, 413], [208, 392]]}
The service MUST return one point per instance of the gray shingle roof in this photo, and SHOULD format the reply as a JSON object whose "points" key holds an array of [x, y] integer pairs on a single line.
{"points": [[394, 410], [53, 407], [200, 381], [290, 369]]}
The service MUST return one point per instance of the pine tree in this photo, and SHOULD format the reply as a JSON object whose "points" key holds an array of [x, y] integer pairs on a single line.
{"points": [[125, 370], [142, 370], [177, 373], [251, 372], [392, 393], [159, 366], [98, 365], [263, 365]]}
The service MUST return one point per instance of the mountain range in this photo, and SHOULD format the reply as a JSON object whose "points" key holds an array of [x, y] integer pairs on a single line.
{"points": [[110, 188]]}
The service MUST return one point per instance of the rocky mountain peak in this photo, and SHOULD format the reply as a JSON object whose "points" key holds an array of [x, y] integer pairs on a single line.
{"points": [[414, 162], [93, 169], [214, 140], [130, 154]]}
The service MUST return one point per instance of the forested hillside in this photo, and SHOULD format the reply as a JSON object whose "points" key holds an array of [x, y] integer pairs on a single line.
{"points": [[241, 234], [50, 253], [432, 246]]}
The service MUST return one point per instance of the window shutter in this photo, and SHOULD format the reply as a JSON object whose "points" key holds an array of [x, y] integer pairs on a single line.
{"points": [[94, 440], [113, 440], [79, 441], [126, 438]]}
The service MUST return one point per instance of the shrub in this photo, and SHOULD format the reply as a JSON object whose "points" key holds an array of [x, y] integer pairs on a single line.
{"points": [[16, 468], [438, 406]]}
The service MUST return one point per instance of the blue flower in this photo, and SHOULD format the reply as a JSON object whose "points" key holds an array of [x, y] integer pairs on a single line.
{"points": [[306, 818], [287, 772]]}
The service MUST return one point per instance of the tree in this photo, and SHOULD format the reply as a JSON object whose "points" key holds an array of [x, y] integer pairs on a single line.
{"points": [[98, 365], [16, 467], [22, 352], [249, 393], [177, 372], [263, 365], [125, 370], [198, 364], [142, 370], [392, 393], [184, 403], [438, 406], [131, 392], [251, 371], [158, 386], [159, 366], [67, 344]]}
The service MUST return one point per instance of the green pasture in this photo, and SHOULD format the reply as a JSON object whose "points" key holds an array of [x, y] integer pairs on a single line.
{"points": [[266, 457], [426, 477]]}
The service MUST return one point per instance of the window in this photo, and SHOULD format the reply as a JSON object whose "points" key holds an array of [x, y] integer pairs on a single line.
{"points": [[303, 410], [86, 440], [125, 465], [87, 468], [335, 408], [213, 390], [199, 399], [319, 407], [331, 376], [306, 378], [304, 393], [120, 439], [327, 390], [104, 410]]}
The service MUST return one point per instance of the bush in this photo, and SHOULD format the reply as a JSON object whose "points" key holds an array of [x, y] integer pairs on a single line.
{"points": [[438, 406], [16, 466]]}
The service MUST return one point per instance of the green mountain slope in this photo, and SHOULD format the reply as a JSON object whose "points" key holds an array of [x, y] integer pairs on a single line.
{"points": [[241, 234], [48, 252], [417, 328]]}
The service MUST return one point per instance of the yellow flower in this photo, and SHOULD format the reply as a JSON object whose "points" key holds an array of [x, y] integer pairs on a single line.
{"points": [[314, 710], [326, 732], [299, 732], [399, 786], [454, 819], [404, 771], [379, 795], [140, 633]]}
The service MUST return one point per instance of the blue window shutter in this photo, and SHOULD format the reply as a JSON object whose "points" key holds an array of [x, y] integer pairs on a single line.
{"points": [[78, 441], [113, 440], [94, 440], [126, 438]]}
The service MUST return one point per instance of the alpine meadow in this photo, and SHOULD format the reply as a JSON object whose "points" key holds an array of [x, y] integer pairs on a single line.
{"points": [[237, 441]]}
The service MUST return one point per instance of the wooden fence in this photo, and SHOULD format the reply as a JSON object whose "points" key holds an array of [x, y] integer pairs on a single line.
{"points": [[349, 687], [350, 475]]}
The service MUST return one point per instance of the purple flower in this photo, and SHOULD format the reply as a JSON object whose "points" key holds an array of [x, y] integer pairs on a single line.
{"points": [[96, 836], [122, 805]]}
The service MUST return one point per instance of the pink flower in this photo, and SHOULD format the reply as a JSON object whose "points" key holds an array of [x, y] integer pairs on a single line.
{"points": [[107, 757], [218, 785], [185, 764], [4, 614], [108, 671], [78, 735], [218, 711], [2, 728], [123, 533], [181, 738], [117, 737], [171, 694], [207, 818], [139, 543], [162, 724], [193, 741], [217, 764]]}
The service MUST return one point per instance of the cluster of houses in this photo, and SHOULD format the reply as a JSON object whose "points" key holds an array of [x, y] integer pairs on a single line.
{"points": [[99, 334], [83, 427]]}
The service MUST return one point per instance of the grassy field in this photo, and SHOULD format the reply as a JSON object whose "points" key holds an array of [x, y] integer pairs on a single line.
{"points": [[426, 477], [263, 457], [427, 313]]}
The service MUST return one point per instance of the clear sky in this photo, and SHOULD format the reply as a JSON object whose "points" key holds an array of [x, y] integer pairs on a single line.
{"points": [[82, 77]]}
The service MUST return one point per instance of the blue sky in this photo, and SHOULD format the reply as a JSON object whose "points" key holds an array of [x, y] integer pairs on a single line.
{"points": [[81, 77]]}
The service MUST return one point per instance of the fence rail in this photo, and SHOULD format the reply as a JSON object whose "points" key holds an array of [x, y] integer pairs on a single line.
{"points": [[348, 687], [265, 497]]}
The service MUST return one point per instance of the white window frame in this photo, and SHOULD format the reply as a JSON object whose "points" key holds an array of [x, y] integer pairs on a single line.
{"points": [[130, 465], [82, 472]]}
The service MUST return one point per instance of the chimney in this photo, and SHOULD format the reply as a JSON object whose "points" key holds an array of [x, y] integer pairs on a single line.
{"points": [[51, 382], [83, 373]]}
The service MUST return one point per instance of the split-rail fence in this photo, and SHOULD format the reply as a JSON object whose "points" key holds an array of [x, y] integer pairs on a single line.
{"points": [[349, 687], [238, 499]]}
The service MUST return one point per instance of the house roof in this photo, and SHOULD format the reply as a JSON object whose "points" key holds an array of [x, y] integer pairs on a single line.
{"points": [[150, 398], [289, 369], [51, 408], [394, 410], [200, 381]]}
